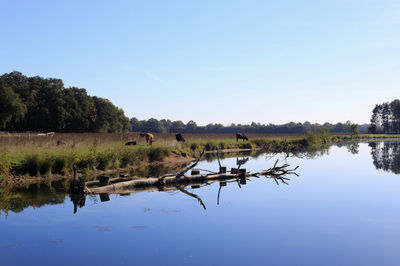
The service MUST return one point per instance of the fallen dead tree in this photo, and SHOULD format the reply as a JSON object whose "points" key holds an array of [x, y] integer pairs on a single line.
{"points": [[177, 180], [125, 185]]}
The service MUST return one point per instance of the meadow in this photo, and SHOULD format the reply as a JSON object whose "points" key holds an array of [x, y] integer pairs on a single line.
{"points": [[28, 154]]}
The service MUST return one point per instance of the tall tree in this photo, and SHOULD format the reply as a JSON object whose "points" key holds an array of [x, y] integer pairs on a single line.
{"points": [[385, 117], [11, 107], [39, 104], [395, 115]]}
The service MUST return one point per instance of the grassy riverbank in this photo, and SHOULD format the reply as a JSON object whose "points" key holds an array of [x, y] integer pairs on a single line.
{"points": [[32, 155]]}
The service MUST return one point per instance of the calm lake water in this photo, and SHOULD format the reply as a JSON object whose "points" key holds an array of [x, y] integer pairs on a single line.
{"points": [[343, 209]]}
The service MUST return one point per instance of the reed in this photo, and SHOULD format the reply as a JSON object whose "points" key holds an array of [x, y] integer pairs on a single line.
{"points": [[32, 155]]}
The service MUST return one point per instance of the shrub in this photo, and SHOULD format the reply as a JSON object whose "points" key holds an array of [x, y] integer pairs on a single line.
{"points": [[221, 145], [311, 138], [106, 160], [59, 165], [209, 146], [31, 164], [5, 165], [194, 146], [126, 158], [45, 166], [158, 154], [245, 146]]}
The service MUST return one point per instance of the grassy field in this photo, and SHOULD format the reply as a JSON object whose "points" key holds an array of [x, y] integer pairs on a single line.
{"points": [[32, 155]]}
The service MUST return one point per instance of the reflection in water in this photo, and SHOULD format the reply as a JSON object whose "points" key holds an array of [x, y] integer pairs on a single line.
{"points": [[386, 156], [277, 173], [38, 195], [240, 162], [78, 200], [278, 177], [352, 147], [35, 195], [192, 195], [156, 169]]}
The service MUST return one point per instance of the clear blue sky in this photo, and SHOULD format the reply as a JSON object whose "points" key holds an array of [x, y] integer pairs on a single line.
{"points": [[214, 61]]}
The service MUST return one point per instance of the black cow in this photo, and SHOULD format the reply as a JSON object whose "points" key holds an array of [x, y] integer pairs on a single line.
{"points": [[179, 137], [241, 136], [129, 143]]}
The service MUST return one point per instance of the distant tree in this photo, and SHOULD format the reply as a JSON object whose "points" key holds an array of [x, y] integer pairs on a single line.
{"points": [[43, 104], [385, 117], [108, 117], [80, 109], [135, 125], [191, 127], [353, 128], [153, 125], [375, 119], [11, 107], [177, 126], [395, 115]]}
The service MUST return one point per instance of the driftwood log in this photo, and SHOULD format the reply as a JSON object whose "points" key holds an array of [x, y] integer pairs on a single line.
{"points": [[126, 185], [122, 184]]}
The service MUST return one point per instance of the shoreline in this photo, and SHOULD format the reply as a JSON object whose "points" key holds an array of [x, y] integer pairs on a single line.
{"points": [[147, 158], [172, 162]]}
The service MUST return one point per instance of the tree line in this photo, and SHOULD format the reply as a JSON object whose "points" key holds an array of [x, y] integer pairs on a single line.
{"points": [[386, 118], [168, 126], [44, 104]]}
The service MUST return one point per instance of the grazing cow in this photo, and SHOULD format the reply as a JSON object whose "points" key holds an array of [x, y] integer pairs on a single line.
{"points": [[130, 143], [149, 137], [241, 136], [179, 137], [61, 143]]}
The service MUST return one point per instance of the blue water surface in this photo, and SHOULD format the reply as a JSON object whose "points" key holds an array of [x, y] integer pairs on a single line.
{"points": [[341, 210]]}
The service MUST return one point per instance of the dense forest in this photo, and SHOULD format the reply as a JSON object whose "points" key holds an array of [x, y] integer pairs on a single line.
{"points": [[386, 118], [43, 104], [168, 126]]}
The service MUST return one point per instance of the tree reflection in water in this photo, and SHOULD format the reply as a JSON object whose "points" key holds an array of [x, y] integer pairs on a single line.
{"points": [[386, 156], [34, 195]]}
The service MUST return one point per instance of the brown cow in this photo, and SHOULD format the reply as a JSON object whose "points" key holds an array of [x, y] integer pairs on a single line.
{"points": [[149, 137]]}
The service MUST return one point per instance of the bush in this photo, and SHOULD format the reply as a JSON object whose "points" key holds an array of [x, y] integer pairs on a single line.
{"points": [[221, 145], [45, 166], [245, 146], [158, 154], [31, 164], [87, 163], [126, 158], [106, 160], [5, 165], [59, 165], [194, 146], [210, 146]]}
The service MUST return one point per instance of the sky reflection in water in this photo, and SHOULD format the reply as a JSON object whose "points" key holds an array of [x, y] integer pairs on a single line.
{"points": [[340, 211]]}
